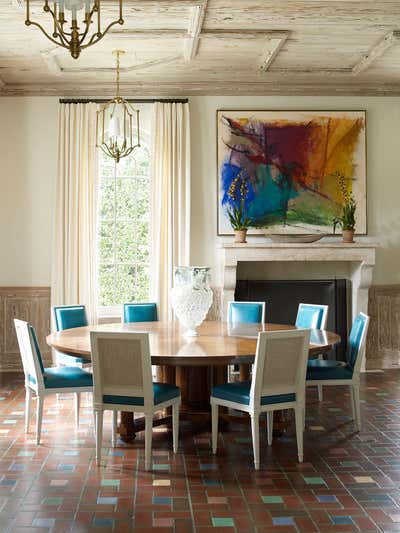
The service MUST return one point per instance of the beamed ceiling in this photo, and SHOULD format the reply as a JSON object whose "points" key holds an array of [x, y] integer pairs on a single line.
{"points": [[189, 47]]}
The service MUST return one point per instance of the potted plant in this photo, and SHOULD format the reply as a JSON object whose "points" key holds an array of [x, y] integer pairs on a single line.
{"points": [[237, 196], [347, 220], [239, 221]]}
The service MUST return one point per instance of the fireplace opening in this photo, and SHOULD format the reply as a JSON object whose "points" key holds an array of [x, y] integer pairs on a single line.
{"points": [[282, 298]]}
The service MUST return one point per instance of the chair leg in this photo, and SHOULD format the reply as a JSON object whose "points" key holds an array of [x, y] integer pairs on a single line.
{"points": [[356, 396], [320, 393], [214, 427], [99, 435], [175, 426], [28, 397], [255, 434], [77, 406], [299, 431], [148, 440], [39, 416], [304, 418], [353, 407], [114, 428], [270, 426]]}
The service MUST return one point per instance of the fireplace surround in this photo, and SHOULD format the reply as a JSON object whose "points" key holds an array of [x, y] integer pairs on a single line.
{"points": [[356, 260]]}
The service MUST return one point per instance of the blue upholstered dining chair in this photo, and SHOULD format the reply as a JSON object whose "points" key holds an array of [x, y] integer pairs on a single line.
{"points": [[67, 317], [313, 316], [123, 382], [44, 381], [347, 373], [140, 312], [250, 312], [244, 312], [278, 382]]}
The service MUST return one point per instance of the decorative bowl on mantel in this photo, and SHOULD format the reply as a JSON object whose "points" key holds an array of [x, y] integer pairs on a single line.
{"points": [[295, 238]]}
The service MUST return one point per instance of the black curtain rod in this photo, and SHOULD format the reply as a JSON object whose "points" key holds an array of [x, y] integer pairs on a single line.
{"points": [[130, 100]]}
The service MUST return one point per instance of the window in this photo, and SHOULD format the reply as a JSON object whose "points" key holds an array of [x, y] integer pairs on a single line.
{"points": [[123, 229]]}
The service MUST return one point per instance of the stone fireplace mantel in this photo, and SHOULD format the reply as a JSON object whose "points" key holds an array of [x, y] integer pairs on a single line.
{"points": [[359, 256]]}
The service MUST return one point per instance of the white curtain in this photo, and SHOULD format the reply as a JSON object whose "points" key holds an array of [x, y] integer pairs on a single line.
{"points": [[170, 216], [74, 240]]}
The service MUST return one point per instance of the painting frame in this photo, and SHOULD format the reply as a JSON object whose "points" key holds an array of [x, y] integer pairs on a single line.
{"points": [[286, 114]]}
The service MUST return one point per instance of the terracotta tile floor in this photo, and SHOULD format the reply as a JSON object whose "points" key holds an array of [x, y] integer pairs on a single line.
{"points": [[349, 481]]}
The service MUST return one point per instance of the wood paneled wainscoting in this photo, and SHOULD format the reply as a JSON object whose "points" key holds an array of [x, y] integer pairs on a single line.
{"points": [[383, 344], [33, 304], [27, 303]]}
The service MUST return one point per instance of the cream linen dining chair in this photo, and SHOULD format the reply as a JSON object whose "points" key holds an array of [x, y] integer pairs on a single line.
{"points": [[45, 381], [278, 382], [122, 381]]}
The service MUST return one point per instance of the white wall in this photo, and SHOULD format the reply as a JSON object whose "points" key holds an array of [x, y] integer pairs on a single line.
{"points": [[383, 170], [28, 145]]}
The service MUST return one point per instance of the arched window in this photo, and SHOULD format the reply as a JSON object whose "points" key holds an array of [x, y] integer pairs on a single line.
{"points": [[123, 229]]}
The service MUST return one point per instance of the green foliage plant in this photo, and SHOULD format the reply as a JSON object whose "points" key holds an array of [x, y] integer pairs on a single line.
{"points": [[347, 220], [238, 218]]}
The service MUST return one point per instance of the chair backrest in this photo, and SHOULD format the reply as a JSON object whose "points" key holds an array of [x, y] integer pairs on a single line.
{"points": [[121, 366], [69, 316], [312, 316], [280, 365], [251, 312], [140, 312], [30, 354], [356, 341]]}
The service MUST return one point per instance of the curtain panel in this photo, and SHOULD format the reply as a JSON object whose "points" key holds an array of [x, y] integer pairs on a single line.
{"points": [[74, 239], [170, 214]]}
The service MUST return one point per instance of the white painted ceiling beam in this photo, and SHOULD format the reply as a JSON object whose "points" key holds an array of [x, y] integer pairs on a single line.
{"points": [[376, 52], [271, 50], [194, 30]]}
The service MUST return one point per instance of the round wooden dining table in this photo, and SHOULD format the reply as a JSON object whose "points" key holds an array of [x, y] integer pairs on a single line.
{"points": [[195, 364]]}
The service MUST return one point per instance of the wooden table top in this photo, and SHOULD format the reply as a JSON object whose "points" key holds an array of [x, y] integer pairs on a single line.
{"points": [[217, 344]]}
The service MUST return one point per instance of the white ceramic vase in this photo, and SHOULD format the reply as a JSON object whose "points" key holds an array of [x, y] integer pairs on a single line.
{"points": [[191, 297]]}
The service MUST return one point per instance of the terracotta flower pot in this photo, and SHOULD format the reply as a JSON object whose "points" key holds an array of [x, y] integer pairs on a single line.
{"points": [[348, 235], [240, 235]]}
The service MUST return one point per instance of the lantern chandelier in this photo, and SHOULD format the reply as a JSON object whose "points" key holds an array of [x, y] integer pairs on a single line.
{"points": [[78, 38], [117, 125]]}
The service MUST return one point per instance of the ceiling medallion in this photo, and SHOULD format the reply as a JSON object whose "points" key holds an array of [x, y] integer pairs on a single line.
{"points": [[117, 126], [79, 37]]}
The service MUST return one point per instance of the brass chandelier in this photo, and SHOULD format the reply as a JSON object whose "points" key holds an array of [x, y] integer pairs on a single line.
{"points": [[67, 32], [117, 125]]}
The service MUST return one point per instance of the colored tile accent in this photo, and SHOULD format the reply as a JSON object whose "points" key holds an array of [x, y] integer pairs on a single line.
{"points": [[283, 521], [272, 499], [222, 522]]}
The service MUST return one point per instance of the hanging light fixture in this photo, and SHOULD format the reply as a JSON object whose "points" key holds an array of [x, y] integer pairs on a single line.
{"points": [[78, 38], [117, 129]]}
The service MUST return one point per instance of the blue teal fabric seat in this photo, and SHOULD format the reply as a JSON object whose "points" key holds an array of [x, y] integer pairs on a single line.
{"points": [[162, 393], [245, 312], [65, 377], [310, 316], [239, 392], [140, 312], [318, 369], [354, 341], [67, 317]]}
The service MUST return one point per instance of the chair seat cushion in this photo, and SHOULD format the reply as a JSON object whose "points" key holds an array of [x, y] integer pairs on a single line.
{"points": [[65, 377], [162, 393], [69, 359], [328, 369], [240, 393]]}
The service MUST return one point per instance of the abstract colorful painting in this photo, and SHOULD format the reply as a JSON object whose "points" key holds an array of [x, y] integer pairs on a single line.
{"points": [[284, 167]]}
